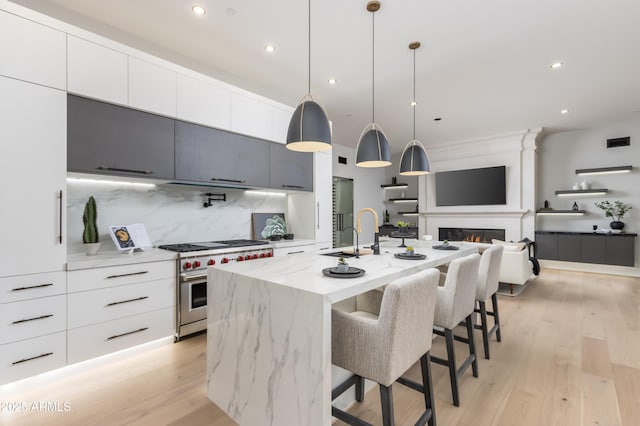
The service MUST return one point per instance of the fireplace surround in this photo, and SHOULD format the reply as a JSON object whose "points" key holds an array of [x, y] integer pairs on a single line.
{"points": [[476, 235]]}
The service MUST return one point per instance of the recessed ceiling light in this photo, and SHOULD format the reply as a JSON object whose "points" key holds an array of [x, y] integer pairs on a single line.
{"points": [[332, 81], [414, 103], [270, 48], [198, 10], [556, 65], [564, 111], [230, 11], [437, 119]]}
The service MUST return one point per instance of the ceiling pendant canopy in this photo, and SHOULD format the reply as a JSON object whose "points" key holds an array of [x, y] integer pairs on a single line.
{"points": [[414, 160], [309, 128], [373, 147]]}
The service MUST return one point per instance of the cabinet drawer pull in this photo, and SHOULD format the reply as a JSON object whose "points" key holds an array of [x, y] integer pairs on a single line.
{"points": [[32, 286], [228, 180], [32, 319], [115, 336], [32, 358], [128, 275], [60, 217], [293, 186], [187, 278], [115, 169], [126, 301], [296, 252]]}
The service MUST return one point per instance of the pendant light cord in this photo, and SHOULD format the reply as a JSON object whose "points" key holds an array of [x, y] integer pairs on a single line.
{"points": [[373, 67], [414, 94], [309, 46]]}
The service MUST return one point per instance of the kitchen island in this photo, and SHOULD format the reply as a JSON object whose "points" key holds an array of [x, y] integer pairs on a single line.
{"points": [[269, 330]]}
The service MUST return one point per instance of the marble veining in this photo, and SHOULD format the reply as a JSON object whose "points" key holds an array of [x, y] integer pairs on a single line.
{"points": [[170, 213], [269, 330]]}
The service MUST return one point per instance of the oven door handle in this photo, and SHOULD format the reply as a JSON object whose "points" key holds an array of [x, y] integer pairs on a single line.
{"points": [[187, 278]]}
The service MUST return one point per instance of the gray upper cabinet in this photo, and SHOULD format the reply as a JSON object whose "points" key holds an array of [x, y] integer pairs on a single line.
{"points": [[114, 140], [291, 169], [203, 154]]}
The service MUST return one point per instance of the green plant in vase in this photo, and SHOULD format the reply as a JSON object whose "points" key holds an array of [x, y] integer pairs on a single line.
{"points": [[90, 236], [616, 211], [409, 251], [343, 266]]}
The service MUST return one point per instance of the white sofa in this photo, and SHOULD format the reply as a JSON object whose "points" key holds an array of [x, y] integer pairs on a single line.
{"points": [[515, 270]]}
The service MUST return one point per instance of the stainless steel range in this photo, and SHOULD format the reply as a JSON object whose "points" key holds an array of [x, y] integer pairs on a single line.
{"points": [[193, 261]]}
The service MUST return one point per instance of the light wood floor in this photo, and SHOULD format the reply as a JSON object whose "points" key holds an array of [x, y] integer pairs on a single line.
{"points": [[570, 355]]}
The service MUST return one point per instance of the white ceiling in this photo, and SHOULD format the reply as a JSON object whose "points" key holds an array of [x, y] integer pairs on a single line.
{"points": [[484, 66]]}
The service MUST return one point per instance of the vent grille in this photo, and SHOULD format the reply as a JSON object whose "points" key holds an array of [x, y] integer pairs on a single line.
{"points": [[618, 142]]}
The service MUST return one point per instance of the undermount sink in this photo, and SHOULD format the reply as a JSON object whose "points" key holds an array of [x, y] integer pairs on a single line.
{"points": [[339, 254]]}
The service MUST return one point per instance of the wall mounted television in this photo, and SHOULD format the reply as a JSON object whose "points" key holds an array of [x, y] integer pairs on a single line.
{"points": [[471, 187]]}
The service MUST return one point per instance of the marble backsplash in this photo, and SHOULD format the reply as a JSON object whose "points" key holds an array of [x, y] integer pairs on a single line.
{"points": [[170, 213]]}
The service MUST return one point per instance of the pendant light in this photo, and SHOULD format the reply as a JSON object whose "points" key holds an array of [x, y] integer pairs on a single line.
{"points": [[414, 161], [373, 148], [309, 129]]}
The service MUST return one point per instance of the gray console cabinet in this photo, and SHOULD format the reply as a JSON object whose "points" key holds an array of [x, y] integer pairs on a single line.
{"points": [[586, 247], [291, 169], [207, 155], [114, 140]]}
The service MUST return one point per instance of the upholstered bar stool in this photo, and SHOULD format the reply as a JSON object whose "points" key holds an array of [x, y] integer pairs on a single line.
{"points": [[455, 303], [488, 276], [384, 338]]}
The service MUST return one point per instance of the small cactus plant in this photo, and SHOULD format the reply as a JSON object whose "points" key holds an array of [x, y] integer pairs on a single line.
{"points": [[90, 234]]}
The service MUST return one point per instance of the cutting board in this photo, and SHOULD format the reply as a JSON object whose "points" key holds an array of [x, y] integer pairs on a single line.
{"points": [[363, 251]]}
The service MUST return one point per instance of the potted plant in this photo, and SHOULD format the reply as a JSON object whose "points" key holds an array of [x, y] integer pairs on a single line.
{"points": [[409, 251], [445, 243], [343, 266], [616, 211], [90, 236]]}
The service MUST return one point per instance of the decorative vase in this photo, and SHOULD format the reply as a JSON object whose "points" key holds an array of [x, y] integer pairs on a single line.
{"points": [[616, 224], [343, 268], [409, 252], [92, 248]]}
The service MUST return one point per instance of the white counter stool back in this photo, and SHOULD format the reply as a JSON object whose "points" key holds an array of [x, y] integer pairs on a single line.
{"points": [[384, 338], [455, 303], [488, 276]]}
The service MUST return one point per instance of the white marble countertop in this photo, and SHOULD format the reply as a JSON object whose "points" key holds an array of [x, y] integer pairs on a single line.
{"points": [[291, 243], [304, 271], [114, 258]]}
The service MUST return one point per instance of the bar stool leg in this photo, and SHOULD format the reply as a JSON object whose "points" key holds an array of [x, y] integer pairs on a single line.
{"points": [[453, 373], [496, 317], [429, 402], [484, 328], [386, 397], [472, 347], [359, 388]]}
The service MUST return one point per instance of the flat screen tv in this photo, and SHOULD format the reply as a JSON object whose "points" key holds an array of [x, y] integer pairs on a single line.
{"points": [[472, 187]]}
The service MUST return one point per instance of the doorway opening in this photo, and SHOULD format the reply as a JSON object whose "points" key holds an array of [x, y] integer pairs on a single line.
{"points": [[342, 212]]}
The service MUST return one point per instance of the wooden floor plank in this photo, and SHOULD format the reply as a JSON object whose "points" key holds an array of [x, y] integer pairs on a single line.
{"points": [[570, 355]]}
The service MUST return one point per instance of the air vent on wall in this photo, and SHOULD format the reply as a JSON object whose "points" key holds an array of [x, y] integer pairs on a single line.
{"points": [[617, 142], [342, 160]]}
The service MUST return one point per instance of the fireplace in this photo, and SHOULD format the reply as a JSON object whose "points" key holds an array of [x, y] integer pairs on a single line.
{"points": [[476, 235]]}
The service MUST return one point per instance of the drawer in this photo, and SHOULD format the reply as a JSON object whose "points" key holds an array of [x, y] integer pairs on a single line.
{"points": [[22, 287], [91, 279], [284, 251], [33, 356], [100, 339], [92, 307], [32, 318]]}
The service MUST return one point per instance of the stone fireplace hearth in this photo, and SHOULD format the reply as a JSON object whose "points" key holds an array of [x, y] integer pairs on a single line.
{"points": [[476, 235]]}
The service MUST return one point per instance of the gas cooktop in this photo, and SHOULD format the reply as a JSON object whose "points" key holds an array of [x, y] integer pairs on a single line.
{"points": [[211, 245]]}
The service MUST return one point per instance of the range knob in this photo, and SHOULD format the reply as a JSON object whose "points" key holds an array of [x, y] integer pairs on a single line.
{"points": [[239, 259], [268, 254], [247, 257], [187, 265], [254, 256], [211, 262], [196, 264], [224, 260], [262, 256]]}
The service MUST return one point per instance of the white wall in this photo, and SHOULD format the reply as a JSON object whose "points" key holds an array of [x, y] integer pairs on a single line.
{"points": [[411, 191], [561, 154], [366, 189], [170, 213]]}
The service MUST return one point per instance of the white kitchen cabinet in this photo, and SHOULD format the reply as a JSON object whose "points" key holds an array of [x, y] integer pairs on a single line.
{"points": [[32, 318], [112, 276], [33, 174], [96, 71], [33, 356], [32, 52], [280, 124], [203, 103], [111, 336], [152, 88], [322, 190], [95, 306], [251, 116], [23, 287]]}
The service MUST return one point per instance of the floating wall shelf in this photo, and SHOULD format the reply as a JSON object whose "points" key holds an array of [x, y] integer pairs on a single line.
{"points": [[403, 200], [551, 212], [394, 186], [571, 192], [409, 213], [604, 170]]}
